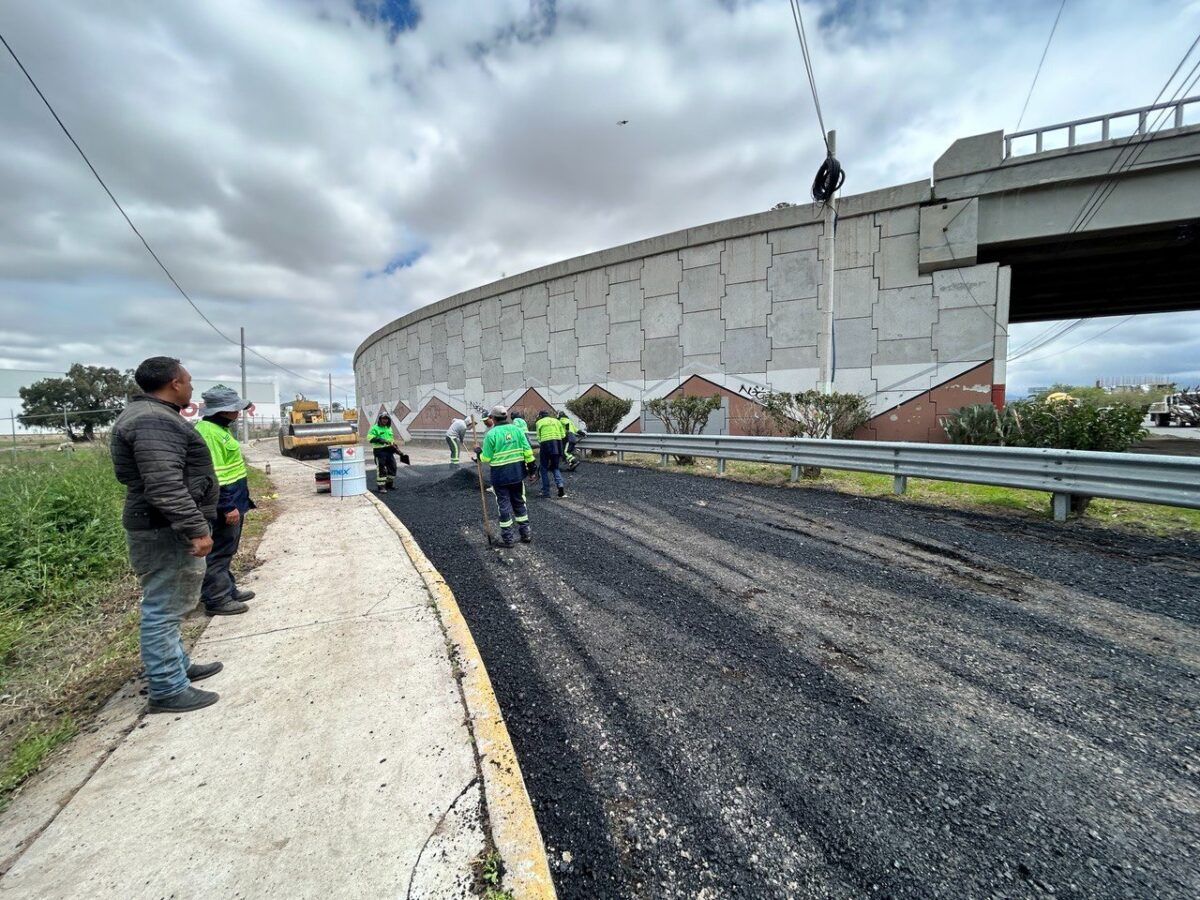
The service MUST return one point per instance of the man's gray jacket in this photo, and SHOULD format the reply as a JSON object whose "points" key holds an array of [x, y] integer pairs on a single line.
{"points": [[166, 468]]}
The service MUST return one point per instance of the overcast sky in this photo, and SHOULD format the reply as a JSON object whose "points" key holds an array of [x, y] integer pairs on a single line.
{"points": [[312, 169]]}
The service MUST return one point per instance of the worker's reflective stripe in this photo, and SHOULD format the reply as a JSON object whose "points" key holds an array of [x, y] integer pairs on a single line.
{"points": [[522, 518], [506, 456], [506, 523]]}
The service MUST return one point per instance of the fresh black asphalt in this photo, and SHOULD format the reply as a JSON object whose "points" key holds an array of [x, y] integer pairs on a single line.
{"points": [[719, 689]]}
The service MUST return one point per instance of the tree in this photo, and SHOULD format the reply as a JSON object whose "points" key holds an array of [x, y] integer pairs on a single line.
{"points": [[684, 415], [89, 395]]}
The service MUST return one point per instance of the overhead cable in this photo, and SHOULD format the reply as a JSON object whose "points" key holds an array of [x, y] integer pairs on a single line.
{"points": [[133, 227]]}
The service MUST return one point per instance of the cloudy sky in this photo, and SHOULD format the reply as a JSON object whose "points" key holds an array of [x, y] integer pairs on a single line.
{"points": [[311, 169]]}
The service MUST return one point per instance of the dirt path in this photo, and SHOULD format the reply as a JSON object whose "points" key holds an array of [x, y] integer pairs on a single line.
{"points": [[730, 690]]}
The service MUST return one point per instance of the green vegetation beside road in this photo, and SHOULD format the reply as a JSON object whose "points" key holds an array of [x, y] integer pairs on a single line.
{"points": [[1147, 517], [68, 601]]}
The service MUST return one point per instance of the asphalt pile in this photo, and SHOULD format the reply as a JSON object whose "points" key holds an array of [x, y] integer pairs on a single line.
{"points": [[728, 690]]}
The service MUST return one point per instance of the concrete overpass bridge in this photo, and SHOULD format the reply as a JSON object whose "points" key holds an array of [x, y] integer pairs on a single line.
{"points": [[1090, 227], [907, 301]]}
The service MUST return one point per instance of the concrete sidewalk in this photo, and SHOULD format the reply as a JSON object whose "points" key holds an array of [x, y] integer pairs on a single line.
{"points": [[338, 762]]}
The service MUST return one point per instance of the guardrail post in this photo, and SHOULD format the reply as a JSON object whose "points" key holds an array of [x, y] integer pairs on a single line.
{"points": [[720, 467], [664, 459], [1061, 504], [899, 484], [795, 476], [620, 456]]}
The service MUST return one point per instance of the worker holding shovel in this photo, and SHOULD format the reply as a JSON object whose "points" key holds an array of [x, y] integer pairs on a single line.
{"points": [[383, 442], [506, 449]]}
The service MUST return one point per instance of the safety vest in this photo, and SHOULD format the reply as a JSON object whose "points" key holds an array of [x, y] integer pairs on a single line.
{"points": [[549, 429], [568, 426], [506, 449], [380, 436], [225, 452]]}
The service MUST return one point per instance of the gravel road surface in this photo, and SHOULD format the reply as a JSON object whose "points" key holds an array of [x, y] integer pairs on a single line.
{"points": [[727, 690]]}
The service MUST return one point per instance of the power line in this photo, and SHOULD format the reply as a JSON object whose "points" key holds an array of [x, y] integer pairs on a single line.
{"points": [[1045, 50], [133, 227], [802, 35], [1084, 341]]}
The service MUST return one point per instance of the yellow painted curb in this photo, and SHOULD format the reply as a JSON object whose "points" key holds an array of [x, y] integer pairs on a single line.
{"points": [[514, 826]]}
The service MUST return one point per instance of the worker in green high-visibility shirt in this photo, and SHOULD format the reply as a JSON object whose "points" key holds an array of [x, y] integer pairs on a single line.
{"points": [[220, 593], [382, 439], [506, 449]]}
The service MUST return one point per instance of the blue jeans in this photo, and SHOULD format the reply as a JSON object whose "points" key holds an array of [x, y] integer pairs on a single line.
{"points": [[550, 456], [171, 579]]}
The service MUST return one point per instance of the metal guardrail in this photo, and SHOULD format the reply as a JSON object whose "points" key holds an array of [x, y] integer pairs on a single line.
{"points": [[1145, 478], [1105, 121]]}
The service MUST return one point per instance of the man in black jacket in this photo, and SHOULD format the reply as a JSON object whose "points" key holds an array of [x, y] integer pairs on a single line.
{"points": [[171, 495]]}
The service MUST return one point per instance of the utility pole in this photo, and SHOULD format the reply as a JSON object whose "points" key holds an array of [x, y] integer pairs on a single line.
{"points": [[13, 416], [330, 396], [245, 424], [66, 424], [826, 292]]}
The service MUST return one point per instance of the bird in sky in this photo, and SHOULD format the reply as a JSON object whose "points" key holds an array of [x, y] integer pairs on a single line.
{"points": [[623, 122]]}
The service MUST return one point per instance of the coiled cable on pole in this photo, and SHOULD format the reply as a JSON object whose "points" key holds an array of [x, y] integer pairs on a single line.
{"points": [[828, 181]]}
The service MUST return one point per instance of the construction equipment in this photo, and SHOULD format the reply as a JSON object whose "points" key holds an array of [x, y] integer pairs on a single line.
{"points": [[1177, 409], [487, 526], [306, 433]]}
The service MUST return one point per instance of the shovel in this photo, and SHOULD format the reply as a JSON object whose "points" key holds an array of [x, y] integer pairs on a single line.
{"points": [[487, 526]]}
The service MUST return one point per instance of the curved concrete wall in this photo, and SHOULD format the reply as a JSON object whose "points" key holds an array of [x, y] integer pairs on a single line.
{"points": [[731, 307]]}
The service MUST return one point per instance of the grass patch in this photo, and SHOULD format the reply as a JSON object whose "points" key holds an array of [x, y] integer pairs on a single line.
{"points": [[489, 872], [1148, 517], [30, 752], [68, 600]]}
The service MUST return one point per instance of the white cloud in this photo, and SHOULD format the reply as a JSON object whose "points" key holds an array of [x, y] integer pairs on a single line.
{"points": [[274, 152]]}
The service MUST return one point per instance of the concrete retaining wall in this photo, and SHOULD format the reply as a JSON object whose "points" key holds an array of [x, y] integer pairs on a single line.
{"points": [[737, 303]]}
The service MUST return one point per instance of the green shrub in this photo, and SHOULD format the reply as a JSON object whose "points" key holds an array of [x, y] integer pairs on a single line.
{"points": [[1066, 426], [981, 424], [684, 415], [600, 413], [813, 414]]}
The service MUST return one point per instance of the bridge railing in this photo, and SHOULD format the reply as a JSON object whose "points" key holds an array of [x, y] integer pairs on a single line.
{"points": [[1145, 478], [1149, 118]]}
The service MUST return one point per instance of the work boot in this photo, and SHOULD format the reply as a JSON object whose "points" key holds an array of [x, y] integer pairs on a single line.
{"points": [[545, 495], [200, 671], [229, 607], [243, 596], [507, 543], [526, 537], [187, 700], [562, 492]]}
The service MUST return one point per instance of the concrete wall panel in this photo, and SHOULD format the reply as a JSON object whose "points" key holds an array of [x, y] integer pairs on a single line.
{"points": [[745, 349], [564, 347], [794, 276], [536, 335], [561, 312], [972, 286], [704, 255], [534, 300], [662, 358], [701, 333], [746, 304], [857, 242], [591, 288], [855, 292], [454, 322], [625, 342], [592, 326], [896, 264], [625, 302], [472, 330], [701, 288], [661, 316], [537, 368], [592, 364], [625, 271], [661, 274], [789, 240], [510, 322], [905, 313], [908, 350], [796, 323], [490, 343], [963, 335], [746, 259], [512, 355], [854, 343]]}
